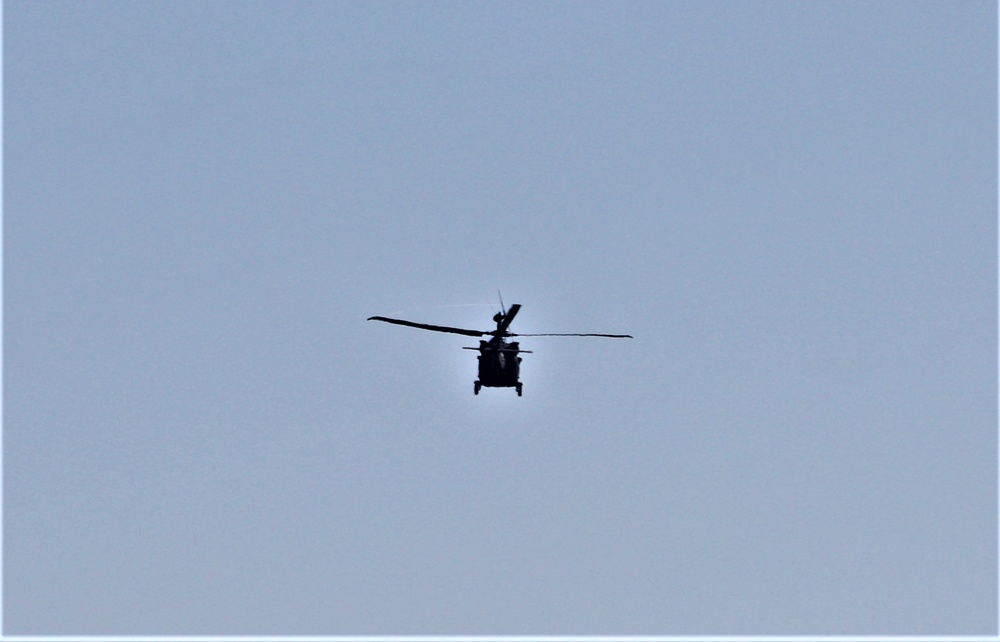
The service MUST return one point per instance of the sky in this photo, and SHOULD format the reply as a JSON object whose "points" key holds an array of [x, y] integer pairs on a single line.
{"points": [[791, 206]]}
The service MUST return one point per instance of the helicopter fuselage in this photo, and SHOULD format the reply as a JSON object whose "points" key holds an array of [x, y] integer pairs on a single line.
{"points": [[499, 365]]}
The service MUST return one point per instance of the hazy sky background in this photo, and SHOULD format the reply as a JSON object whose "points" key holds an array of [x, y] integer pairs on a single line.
{"points": [[791, 205]]}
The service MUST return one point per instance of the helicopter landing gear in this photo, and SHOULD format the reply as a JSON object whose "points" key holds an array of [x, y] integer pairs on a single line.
{"points": [[519, 389], [475, 388]]}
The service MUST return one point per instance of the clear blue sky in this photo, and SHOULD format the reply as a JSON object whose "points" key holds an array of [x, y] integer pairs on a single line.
{"points": [[792, 206]]}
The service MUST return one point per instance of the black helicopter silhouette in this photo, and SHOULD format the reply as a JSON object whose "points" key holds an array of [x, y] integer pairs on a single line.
{"points": [[499, 365]]}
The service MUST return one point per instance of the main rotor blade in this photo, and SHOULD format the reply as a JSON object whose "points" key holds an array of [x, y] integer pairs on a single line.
{"points": [[508, 317], [609, 336], [435, 328]]}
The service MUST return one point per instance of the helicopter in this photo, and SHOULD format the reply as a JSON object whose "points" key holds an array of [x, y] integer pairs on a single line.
{"points": [[499, 363]]}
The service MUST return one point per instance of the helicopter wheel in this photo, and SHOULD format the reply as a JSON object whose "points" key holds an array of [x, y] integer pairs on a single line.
{"points": [[476, 387], [519, 390]]}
